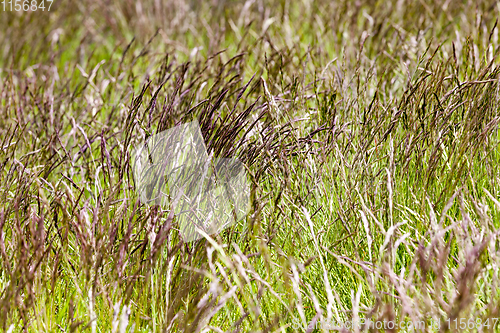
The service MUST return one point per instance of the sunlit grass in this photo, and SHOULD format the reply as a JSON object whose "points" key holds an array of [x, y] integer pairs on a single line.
{"points": [[370, 133]]}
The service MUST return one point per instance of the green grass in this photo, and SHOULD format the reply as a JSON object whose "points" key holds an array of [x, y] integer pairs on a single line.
{"points": [[370, 133]]}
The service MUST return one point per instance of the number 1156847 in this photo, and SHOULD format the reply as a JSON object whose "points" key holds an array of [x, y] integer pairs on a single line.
{"points": [[25, 5]]}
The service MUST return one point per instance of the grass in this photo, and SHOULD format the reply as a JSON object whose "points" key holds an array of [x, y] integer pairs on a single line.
{"points": [[370, 134]]}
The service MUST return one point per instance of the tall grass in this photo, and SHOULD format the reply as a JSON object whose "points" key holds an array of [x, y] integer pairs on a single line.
{"points": [[369, 130]]}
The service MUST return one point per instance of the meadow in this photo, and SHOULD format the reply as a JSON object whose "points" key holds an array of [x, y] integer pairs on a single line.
{"points": [[368, 130]]}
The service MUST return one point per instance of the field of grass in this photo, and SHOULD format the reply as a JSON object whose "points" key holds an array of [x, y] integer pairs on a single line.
{"points": [[369, 130]]}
